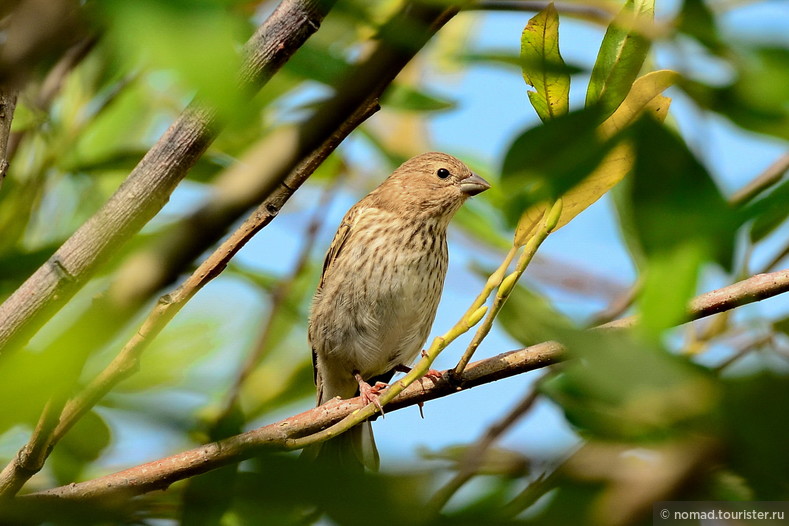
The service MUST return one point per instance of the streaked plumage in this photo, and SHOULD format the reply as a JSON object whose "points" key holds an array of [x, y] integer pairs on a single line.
{"points": [[381, 284]]}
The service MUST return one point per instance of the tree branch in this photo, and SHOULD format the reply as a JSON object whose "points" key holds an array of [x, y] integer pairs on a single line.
{"points": [[159, 474], [257, 177], [54, 424], [149, 185], [7, 107]]}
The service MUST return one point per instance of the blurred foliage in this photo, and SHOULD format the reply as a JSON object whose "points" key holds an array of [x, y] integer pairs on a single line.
{"points": [[655, 421]]}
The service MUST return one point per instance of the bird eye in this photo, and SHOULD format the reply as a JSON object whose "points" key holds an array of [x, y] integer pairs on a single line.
{"points": [[442, 173]]}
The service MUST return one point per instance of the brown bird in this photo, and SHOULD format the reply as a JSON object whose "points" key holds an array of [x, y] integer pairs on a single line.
{"points": [[380, 287]]}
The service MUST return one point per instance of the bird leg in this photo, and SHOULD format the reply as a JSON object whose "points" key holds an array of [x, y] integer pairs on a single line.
{"points": [[433, 374], [370, 393]]}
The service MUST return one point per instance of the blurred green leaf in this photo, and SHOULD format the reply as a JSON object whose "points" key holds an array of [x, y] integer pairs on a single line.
{"points": [[698, 21], [782, 325], [619, 388], [622, 53], [83, 444], [754, 409], [202, 52], [540, 46], [519, 61], [546, 161], [530, 318], [644, 98], [681, 218], [317, 63], [407, 98], [758, 99]]}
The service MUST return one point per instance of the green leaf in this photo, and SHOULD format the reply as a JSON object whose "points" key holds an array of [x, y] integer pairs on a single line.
{"points": [[407, 98], [543, 66], [506, 59], [80, 446], [547, 160], [756, 430], [621, 55], [758, 99], [621, 388], [681, 220], [203, 52], [644, 97], [697, 21], [530, 318], [675, 200]]}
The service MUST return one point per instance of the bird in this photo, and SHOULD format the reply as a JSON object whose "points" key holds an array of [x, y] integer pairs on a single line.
{"points": [[379, 291]]}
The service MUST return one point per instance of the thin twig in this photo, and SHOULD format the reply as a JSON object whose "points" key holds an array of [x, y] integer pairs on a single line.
{"points": [[507, 285], [765, 180], [280, 435], [744, 349]]}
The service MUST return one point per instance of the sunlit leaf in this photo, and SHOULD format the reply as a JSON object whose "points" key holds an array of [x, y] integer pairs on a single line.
{"points": [[540, 46], [644, 97], [621, 55], [547, 160]]}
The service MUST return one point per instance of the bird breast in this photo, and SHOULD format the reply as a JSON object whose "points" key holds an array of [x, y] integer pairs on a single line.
{"points": [[376, 308]]}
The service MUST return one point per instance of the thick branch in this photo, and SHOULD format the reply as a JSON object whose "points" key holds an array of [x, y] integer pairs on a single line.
{"points": [[149, 185], [161, 473]]}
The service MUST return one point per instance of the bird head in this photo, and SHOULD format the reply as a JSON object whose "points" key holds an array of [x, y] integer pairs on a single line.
{"points": [[432, 184]]}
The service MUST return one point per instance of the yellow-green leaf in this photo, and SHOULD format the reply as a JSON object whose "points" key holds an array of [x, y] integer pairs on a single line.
{"points": [[543, 66], [621, 55], [645, 96]]}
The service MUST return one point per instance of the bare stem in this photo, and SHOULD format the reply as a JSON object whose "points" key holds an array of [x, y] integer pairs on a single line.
{"points": [[506, 286]]}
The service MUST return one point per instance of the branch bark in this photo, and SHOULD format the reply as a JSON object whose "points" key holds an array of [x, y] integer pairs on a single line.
{"points": [[149, 185], [159, 474], [7, 107]]}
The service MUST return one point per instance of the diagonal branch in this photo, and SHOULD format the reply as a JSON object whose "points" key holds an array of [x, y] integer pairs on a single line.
{"points": [[149, 185], [55, 423], [257, 177], [7, 107], [159, 474]]}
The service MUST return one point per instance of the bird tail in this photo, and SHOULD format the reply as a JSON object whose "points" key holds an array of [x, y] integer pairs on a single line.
{"points": [[350, 452]]}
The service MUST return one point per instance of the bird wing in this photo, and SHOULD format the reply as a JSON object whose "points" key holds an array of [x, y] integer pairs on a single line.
{"points": [[343, 232], [337, 243]]}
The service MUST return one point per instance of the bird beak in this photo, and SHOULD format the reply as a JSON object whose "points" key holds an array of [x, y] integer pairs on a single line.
{"points": [[473, 185]]}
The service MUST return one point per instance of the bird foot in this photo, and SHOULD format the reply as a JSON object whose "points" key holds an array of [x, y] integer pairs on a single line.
{"points": [[432, 374], [369, 393]]}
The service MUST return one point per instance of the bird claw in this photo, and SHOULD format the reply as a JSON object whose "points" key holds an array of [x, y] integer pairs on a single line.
{"points": [[369, 393]]}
